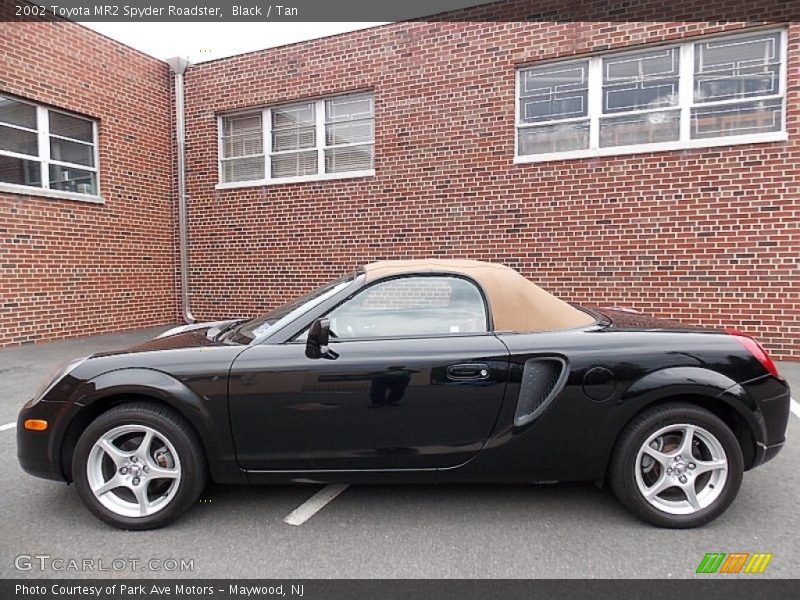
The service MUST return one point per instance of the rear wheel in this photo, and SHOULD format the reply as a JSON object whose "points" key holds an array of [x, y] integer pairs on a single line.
{"points": [[677, 466], [139, 466]]}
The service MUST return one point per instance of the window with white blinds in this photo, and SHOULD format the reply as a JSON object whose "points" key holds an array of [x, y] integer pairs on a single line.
{"points": [[315, 139], [724, 90], [242, 147]]}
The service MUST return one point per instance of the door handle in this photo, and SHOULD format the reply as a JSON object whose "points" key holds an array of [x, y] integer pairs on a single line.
{"points": [[468, 371]]}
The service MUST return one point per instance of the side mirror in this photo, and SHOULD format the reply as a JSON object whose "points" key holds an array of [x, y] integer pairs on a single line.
{"points": [[317, 342]]}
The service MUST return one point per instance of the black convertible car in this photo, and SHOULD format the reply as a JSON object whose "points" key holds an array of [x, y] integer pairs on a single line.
{"points": [[414, 371]]}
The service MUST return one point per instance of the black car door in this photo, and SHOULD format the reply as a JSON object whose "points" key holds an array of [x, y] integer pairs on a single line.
{"points": [[417, 383]]}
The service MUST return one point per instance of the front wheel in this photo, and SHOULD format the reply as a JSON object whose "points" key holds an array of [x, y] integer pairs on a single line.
{"points": [[677, 466], [139, 466]]}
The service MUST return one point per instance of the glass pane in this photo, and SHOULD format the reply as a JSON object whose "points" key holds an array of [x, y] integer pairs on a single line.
{"points": [[72, 152], [648, 128], [17, 113], [243, 169], [243, 145], [18, 140], [737, 119], [294, 139], [242, 124], [740, 67], [346, 108], [641, 80], [242, 135], [294, 164], [349, 158], [69, 179], [349, 132], [71, 127], [554, 138], [555, 92], [19, 171], [412, 306], [293, 116]]}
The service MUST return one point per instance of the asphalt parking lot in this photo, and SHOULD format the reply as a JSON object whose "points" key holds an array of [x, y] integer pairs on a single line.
{"points": [[565, 530]]}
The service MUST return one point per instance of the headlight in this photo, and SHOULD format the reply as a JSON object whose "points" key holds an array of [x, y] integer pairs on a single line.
{"points": [[62, 370]]}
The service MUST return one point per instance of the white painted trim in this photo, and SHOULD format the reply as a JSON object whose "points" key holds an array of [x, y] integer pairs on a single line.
{"points": [[320, 118], [18, 127], [301, 179], [43, 123], [516, 110], [686, 90], [219, 147], [594, 83], [96, 141], [61, 163], [756, 138], [29, 157], [783, 84], [266, 146], [25, 190], [313, 505]]}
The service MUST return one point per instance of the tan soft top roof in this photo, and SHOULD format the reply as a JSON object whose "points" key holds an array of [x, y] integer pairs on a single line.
{"points": [[517, 304]]}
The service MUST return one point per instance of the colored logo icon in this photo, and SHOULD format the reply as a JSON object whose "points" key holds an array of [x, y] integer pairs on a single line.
{"points": [[735, 562]]}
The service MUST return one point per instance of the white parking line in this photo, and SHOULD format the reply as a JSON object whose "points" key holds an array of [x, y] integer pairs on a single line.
{"points": [[313, 505], [8, 426], [795, 405]]}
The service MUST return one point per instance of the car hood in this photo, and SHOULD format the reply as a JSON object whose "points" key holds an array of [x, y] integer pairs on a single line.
{"points": [[188, 336]]}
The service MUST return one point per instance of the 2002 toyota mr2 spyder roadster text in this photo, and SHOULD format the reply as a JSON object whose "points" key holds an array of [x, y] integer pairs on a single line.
{"points": [[414, 371]]}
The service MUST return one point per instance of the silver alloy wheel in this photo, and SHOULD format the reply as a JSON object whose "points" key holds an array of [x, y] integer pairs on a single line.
{"points": [[133, 470], [681, 469]]}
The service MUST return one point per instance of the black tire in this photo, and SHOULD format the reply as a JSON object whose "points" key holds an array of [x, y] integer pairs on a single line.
{"points": [[167, 423], [622, 470]]}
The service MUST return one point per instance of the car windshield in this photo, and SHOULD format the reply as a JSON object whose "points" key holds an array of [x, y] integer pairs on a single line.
{"points": [[257, 327]]}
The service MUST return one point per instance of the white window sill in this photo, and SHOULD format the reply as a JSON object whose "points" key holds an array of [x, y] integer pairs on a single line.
{"points": [[24, 190], [301, 179], [756, 138]]}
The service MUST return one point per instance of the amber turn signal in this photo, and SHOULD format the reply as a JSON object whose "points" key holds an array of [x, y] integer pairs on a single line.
{"points": [[36, 424]]}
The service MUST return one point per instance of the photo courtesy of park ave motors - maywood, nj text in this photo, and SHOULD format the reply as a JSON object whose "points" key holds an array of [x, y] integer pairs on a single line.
{"points": [[483, 298]]}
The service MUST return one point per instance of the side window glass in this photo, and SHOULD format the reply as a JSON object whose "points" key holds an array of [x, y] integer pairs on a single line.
{"points": [[412, 306]]}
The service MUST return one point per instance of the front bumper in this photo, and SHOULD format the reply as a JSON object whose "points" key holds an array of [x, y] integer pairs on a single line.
{"points": [[39, 452]]}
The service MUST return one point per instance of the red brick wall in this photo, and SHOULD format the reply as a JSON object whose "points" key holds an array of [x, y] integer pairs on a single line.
{"points": [[707, 236], [72, 268]]}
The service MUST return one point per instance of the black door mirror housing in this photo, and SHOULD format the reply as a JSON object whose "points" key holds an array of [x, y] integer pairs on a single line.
{"points": [[317, 342]]}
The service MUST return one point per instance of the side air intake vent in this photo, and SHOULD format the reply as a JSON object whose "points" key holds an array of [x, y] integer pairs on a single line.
{"points": [[542, 379]]}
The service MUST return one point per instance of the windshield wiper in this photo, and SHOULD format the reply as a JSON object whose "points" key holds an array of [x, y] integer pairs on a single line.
{"points": [[215, 333]]}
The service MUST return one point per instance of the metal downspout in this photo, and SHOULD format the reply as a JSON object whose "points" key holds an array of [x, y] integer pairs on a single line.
{"points": [[178, 66]]}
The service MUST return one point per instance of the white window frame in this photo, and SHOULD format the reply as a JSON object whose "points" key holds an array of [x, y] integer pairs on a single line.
{"points": [[685, 104], [321, 146], [43, 157]]}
